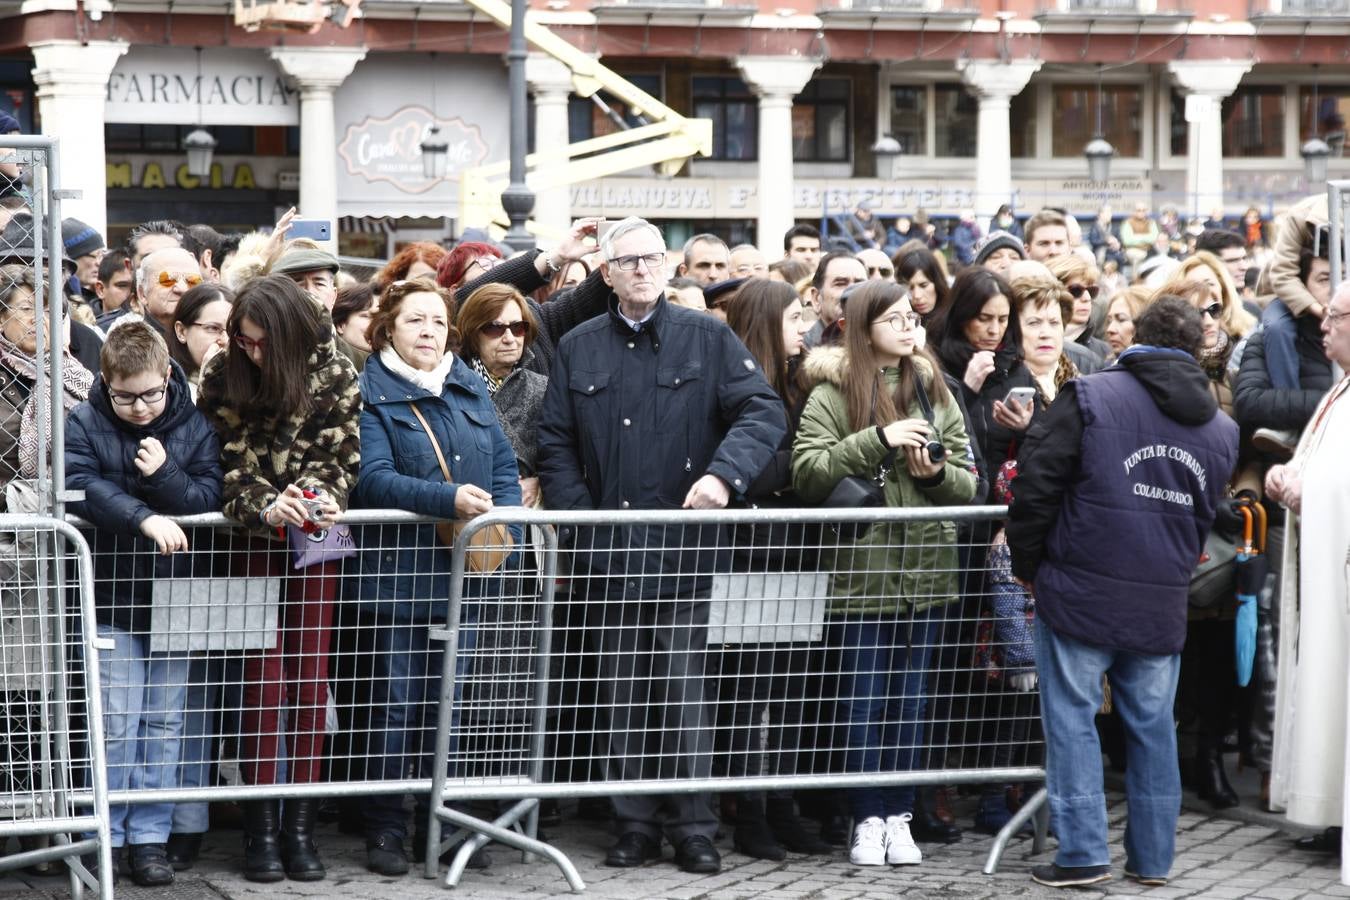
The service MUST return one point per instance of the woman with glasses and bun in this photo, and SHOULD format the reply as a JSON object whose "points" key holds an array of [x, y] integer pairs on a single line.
{"points": [[879, 409], [286, 406]]}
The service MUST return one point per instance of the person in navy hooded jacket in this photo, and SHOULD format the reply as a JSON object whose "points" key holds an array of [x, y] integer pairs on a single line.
{"points": [[140, 451], [1118, 485]]}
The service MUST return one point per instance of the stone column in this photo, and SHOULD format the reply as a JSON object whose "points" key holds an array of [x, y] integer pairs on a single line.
{"points": [[317, 72], [994, 84], [551, 84], [72, 90], [1205, 84], [775, 80]]}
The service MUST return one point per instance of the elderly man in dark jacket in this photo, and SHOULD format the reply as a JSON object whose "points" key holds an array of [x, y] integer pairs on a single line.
{"points": [[652, 406], [1117, 489]]}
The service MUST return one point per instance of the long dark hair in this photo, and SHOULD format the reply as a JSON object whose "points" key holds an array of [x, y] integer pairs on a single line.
{"points": [[970, 292], [920, 259], [756, 315], [294, 325], [188, 311], [869, 401]]}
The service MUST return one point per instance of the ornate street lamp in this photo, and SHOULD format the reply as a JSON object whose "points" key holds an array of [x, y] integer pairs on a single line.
{"points": [[1099, 150], [518, 199], [435, 153], [1314, 151], [199, 145]]}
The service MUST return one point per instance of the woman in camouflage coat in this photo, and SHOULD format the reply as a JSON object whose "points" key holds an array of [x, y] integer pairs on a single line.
{"points": [[287, 408]]}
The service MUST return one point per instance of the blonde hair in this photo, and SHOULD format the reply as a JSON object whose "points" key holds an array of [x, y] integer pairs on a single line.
{"points": [[1234, 319], [1070, 266]]}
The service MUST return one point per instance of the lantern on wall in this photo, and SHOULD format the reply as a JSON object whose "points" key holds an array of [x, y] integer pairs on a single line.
{"points": [[1099, 150]]}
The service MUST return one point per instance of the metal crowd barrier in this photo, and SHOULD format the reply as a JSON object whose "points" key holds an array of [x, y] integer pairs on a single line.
{"points": [[528, 684], [53, 796], [656, 653]]}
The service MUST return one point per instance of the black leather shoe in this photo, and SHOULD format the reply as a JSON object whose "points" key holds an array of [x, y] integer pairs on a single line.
{"points": [[632, 849], [697, 855], [182, 850], [1328, 841], [385, 856], [150, 866], [929, 829]]}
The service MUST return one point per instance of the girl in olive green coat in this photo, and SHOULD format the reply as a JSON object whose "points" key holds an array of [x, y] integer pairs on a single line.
{"points": [[887, 588]]}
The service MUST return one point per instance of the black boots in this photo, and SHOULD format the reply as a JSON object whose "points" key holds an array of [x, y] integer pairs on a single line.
{"points": [[262, 851], [1211, 782], [752, 836], [297, 840]]}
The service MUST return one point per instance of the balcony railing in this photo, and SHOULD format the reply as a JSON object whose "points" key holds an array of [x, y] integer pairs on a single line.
{"points": [[951, 9], [1302, 9], [1114, 7]]}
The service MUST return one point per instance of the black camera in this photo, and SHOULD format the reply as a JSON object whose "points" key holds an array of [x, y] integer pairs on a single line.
{"points": [[936, 451]]}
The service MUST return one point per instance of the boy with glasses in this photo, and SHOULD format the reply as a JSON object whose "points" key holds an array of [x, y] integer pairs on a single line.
{"points": [[140, 451]]}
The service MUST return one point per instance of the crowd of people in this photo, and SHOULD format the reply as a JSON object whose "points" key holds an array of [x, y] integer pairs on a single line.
{"points": [[252, 375]]}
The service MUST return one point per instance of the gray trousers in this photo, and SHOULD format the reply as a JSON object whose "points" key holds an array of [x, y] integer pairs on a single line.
{"points": [[651, 655]]}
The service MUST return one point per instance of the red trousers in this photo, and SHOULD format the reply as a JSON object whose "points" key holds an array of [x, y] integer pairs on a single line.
{"points": [[293, 673]]}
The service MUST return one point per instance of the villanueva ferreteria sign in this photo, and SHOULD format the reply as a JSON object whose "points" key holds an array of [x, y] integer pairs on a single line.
{"points": [[222, 86], [389, 148]]}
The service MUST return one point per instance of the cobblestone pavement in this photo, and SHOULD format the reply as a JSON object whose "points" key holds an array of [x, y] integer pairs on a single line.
{"points": [[1216, 858]]}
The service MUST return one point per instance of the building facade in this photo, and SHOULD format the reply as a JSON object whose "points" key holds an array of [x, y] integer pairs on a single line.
{"points": [[816, 105]]}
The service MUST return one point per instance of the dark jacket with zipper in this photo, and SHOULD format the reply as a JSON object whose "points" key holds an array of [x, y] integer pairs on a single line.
{"points": [[632, 419], [100, 454], [1256, 404], [1117, 489]]}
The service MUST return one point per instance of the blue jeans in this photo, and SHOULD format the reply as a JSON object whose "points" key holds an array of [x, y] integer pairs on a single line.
{"points": [[405, 698], [1143, 688], [1280, 330], [883, 685], [214, 695], [143, 696]]}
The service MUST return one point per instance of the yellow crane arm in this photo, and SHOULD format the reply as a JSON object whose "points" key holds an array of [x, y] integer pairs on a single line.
{"points": [[666, 142]]}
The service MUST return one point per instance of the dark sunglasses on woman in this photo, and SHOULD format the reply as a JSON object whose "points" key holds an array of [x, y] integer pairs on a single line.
{"points": [[1077, 290], [497, 329]]}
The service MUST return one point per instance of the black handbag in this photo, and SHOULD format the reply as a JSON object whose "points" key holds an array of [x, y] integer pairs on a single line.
{"points": [[1215, 578], [857, 492]]}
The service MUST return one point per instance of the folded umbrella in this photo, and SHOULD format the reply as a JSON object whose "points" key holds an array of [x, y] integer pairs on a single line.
{"points": [[1252, 568]]}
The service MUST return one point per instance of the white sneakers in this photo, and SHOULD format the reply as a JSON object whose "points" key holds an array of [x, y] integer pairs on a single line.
{"points": [[900, 847], [876, 843]]}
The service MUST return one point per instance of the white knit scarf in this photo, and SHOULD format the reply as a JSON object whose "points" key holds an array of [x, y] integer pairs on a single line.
{"points": [[432, 382]]}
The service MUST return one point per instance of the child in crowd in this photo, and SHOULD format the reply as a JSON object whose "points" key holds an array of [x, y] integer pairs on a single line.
{"points": [[140, 451]]}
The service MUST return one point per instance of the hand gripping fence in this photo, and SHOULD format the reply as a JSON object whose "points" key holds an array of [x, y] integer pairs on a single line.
{"points": [[651, 658]]}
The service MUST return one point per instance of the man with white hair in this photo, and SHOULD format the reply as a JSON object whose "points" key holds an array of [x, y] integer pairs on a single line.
{"points": [[162, 278], [652, 406]]}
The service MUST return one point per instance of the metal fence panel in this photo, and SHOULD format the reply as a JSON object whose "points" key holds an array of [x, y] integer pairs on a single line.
{"points": [[31, 278], [53, 794], [402, 671], [659, 656]]}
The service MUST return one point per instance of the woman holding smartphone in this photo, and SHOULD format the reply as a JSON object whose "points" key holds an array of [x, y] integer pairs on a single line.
{"points": [[286, 406]]}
